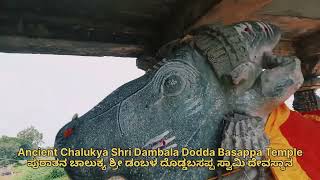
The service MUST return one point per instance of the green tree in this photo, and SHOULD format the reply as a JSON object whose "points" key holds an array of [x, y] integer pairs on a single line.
{"points": [[31, 134], [9, 147]]}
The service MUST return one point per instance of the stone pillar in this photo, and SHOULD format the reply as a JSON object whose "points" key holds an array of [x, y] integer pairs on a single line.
{"points": [[308, 50]]}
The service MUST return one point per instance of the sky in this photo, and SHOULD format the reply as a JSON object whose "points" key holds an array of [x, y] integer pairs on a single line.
{"points": [[45, 91]]}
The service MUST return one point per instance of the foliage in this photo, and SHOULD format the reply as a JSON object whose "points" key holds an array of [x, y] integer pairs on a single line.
{"points": [[9, 147], [56, 173], [42, 173], [31, 134], [28, 138]]}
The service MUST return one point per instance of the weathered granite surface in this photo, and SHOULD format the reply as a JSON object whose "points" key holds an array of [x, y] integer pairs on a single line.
{"points": [[184, 100]]}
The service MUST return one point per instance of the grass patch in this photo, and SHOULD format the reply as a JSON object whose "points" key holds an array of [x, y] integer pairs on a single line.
{"points": [[43, 173]]}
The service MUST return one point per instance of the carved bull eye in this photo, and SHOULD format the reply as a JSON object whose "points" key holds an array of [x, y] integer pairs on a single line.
{"points": [[173, 85]]}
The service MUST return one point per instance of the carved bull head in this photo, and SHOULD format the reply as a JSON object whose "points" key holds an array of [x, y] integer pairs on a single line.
{"points": [[179, 103]]}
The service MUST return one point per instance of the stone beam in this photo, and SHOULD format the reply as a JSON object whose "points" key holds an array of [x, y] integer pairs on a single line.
{"points": [[72, 28], [185, 14], [18, 44]]}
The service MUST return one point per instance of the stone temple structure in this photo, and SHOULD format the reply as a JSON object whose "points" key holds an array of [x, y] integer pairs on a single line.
{"points": [[168, 39], [214, 87], [138, 28]]}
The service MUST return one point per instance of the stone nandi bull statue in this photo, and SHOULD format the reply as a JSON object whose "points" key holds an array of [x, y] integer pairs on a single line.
{"points": [[213, 88]]}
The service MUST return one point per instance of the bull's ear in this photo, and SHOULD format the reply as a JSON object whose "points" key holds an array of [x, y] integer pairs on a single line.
{"points": [[244, 76], [75, 116]]}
